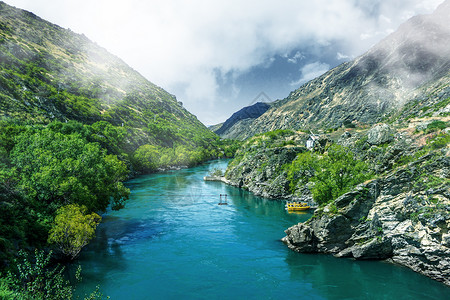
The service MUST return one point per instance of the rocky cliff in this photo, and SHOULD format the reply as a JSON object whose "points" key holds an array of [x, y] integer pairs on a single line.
{"points": [[260, 165], [402, 216], [400, 209], [402, 76]]}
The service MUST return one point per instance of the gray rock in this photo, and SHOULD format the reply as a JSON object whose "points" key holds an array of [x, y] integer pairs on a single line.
{"points": [[380, 134], [260, 171], [377, 248]]}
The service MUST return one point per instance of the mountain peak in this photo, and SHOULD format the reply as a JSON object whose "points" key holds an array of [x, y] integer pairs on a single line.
{"points": [[403, 74]]}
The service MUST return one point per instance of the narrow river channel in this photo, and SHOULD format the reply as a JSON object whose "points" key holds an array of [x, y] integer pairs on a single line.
{"points": [[173, 241]]}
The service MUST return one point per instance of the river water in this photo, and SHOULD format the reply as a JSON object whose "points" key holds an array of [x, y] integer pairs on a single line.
{"points": [[173, 241]]}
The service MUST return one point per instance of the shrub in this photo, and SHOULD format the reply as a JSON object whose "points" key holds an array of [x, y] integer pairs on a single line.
{"points": [[440, 141], [35, 280], [333, 174], [216, 172], [73, 229], [436, 125]]}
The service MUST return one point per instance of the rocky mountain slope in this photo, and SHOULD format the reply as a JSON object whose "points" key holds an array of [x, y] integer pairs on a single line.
{"points": [[400, 77], [382, 190], [49, 73], [245, 115]]}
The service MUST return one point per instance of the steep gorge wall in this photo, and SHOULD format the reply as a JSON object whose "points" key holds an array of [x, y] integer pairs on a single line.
{"points": [[395, 217]]}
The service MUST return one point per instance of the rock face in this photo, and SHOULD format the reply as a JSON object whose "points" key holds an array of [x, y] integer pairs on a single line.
{"points": [[402, 216], [261, 171], [403, 75]]}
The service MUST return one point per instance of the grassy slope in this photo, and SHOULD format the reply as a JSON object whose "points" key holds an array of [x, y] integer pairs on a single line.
{"points": [[49, 73]]}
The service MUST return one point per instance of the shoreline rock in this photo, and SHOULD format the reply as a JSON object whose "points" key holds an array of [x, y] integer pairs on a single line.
{"points": [[387, 218], [217, 178]]}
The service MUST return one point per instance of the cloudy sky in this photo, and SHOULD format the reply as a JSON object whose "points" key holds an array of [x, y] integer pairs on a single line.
{"points": [[217, 56]]}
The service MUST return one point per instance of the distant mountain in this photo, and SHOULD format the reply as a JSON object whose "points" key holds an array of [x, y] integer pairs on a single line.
{"points": [[405, 75], [49, 73], [245, 114]]}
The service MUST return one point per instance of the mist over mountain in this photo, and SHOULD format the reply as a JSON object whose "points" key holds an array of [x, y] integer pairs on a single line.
{"points": [[403, 75], [48, 73]]}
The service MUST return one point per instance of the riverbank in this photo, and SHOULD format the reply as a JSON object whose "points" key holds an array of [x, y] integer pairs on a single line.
{"points": [[402, 214]]}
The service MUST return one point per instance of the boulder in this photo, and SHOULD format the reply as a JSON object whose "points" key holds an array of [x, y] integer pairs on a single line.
{"points": [[380, 134]]}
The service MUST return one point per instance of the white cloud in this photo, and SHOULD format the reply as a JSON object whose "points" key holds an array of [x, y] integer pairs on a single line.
{"points": [[311, 71], [341, 56], [298, 56], [178, 44]]}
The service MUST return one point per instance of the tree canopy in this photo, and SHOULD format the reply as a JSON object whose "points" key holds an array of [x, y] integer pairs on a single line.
{"points": [[57, 169]]}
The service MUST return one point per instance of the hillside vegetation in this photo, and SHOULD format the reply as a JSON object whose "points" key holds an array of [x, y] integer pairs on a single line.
{"points": [[48, 73]]}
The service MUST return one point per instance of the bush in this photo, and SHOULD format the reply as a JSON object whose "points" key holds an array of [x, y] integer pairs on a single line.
{"points": [[34, 279], [333, 174], [337, 173], [73, 229], [436, 125], [302, 168], [441, 141], [349, 124], [216, 172]]}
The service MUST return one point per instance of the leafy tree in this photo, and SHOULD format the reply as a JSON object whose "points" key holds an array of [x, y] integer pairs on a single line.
{"points": [[302, 169], [73, 229], [336, 173], [147, 157], [333, 173], [56, 169], [110, 137]]}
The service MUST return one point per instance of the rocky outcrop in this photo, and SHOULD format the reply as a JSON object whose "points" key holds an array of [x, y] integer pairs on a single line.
{"points": [[261, 171], [403, 216]]}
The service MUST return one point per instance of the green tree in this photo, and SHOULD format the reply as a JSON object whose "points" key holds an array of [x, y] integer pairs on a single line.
{"points": [[73, 228], [336, 173], [110, 137], [302, 169], [55, 169], [333, 174], [147, 157]]}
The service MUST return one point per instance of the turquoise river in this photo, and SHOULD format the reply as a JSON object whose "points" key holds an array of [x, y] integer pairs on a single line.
{"points": [[173, 241]]}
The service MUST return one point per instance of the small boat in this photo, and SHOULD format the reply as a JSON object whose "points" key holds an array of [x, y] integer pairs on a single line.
{"points": [[297, 206]]}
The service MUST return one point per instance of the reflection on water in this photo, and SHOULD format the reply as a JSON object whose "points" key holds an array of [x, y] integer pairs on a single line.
{"points": [[174, 241], [299, 213]]}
